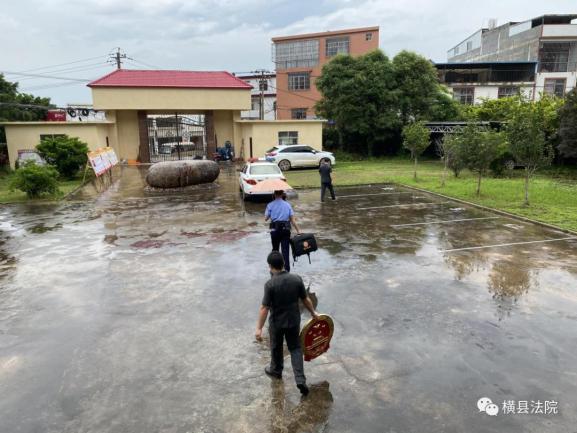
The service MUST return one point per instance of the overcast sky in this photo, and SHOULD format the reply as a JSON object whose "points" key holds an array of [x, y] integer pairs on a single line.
{"points": [[231, 35]]}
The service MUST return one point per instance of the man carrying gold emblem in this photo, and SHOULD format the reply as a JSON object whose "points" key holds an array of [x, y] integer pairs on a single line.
{"points": [[281, 297]]}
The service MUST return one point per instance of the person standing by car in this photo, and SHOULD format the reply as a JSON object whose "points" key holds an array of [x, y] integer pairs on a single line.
{"points": [[281, 297], [281, 215], [326, 180]]}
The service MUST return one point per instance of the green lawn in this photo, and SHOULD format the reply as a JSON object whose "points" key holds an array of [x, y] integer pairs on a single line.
{"points": [[7, 196], [553, 193]]}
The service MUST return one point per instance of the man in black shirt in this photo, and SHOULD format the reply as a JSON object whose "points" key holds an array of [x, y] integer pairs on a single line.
{"points": [[326, 181], [281, 297]]}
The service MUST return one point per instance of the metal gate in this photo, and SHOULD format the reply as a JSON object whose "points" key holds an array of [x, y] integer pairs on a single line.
{"points": [[174, 137]]}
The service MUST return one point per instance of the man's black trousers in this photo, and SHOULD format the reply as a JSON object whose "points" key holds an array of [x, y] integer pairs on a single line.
{"points": [[282, 238], [277, 335], [324, 187]]}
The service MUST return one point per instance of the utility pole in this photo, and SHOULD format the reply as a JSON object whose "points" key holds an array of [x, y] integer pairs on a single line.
{"points": [[264, 75], [117, 57]]}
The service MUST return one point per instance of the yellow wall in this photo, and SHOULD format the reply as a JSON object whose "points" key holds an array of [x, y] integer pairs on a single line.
{"points": [[223, 126], [112, 98], [123, 136], [245, 134], [26, 135], [265, 134], [128, 137]]}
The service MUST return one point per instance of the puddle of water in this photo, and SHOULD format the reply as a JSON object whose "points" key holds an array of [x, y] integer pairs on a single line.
{"points": [[113, 340]]}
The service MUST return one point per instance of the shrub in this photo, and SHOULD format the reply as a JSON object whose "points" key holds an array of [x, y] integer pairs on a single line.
{"points": [[331, 139], [67, 154], [35, 180], [503, 165]]}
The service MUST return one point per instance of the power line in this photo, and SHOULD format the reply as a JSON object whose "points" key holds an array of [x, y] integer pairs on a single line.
{"points": [[294, 93], [63, 64], [144, 64], [81, 69], [50, 86], [15, 104], [44, 76]]}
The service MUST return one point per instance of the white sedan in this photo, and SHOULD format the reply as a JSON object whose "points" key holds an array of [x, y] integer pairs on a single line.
{"points": [[255, 172], [297, 155]]}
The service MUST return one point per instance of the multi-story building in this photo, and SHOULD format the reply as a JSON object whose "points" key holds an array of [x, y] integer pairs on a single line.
{"points": [[266, 84], [299, 60], [549, 42], [472, 82]]}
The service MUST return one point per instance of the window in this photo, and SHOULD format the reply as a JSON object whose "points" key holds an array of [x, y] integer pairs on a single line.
{"points": [[288, 137], [469, 45], [49, 136], [554, 57], [456, 50], [264, 169], [263, 85], [297, 54], [555, 87], [368, 36], [336, 46], [255, 104], [464, 95], [506, 92], [299, 113], [299, 81], [293, 149]]}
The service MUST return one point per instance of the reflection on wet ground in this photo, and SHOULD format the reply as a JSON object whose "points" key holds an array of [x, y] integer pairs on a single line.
{"points": [[133, 311]]}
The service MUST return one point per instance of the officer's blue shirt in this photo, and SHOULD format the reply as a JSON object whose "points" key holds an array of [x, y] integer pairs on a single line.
{"points": [[279, 210]]}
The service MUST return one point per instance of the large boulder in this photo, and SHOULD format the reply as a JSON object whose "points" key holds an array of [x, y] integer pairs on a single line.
{"points": [[177, 174]]}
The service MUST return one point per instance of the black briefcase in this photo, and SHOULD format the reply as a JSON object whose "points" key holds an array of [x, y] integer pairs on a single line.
{"points": [[302, 244]]}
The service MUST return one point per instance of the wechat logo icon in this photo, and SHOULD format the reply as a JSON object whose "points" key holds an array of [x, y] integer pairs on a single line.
{"points": [[485, 404]]}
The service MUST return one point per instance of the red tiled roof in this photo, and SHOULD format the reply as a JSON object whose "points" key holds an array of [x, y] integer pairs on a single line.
{"points": [[175, 79]]}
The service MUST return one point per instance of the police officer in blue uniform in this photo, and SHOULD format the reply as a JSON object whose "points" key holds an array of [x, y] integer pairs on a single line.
{"points": [[281, 215]]}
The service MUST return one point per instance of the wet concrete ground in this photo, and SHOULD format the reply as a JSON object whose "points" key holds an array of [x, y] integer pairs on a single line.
{"points": [[134, 311]]}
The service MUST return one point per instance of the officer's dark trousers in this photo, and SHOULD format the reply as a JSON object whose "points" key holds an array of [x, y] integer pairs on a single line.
{"points": [[294, 346], [282, 238], [324, 186]]}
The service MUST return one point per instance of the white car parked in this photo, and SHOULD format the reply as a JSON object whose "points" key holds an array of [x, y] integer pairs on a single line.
{"points": [[254, 172], [297, 155]]}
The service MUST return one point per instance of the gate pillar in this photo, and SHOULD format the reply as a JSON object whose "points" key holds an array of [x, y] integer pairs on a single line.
{"points": [[143, 149], [209, 133]]}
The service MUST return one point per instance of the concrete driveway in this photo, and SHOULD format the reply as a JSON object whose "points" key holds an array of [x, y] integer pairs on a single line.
{"points": [[134, 311]]}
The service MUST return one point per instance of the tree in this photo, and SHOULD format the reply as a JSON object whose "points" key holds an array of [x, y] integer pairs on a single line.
{"points": [[444, 107], [359, 96], [65, 153], [418, 85], [504, 109], [477, 148], [369, 98], [493, 110], [35, 180], [13, 105], [568, 126], [448, 150], [527, 142], [416, 139]]}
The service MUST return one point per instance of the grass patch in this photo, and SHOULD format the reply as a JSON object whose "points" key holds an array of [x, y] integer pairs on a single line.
{"points": [[552, 193], [7, 196]]}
